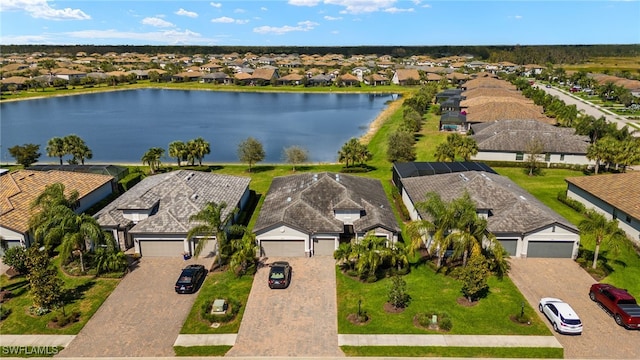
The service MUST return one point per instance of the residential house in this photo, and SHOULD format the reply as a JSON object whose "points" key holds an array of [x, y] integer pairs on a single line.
{"points": [[320, 80], [217, 77], [616, 196], [347, 80], [406, 77], [187, 76], [291, 79], [376, 80], [523, 225], [509, 140], [311, 213], [18, 190], [68, 74], [153, 216], [264, 76]]}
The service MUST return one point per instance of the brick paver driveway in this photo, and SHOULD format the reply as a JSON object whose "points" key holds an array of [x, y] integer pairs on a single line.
{"points": [[142, 317], [563, 278], [300, 321]]}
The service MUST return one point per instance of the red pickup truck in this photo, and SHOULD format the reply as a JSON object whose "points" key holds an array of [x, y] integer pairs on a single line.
{"points": [[619, 303]]}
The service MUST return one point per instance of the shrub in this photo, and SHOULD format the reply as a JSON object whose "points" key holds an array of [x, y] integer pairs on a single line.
{"points": [[65, 319], [445, 323], [444, 320], [354, 169], [128, 181], [398, 296], [15, 257], [574, 204]]}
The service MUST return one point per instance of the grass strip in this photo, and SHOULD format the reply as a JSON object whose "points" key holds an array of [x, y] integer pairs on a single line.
{"points": [[210, 350], [454, 351]]}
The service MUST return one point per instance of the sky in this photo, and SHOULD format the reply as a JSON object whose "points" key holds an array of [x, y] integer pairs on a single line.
{"points": [[319, 22]]}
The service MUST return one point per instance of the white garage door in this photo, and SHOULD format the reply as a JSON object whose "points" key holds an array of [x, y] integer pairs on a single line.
{"points": [[284, 248], [550, 249], [323, 247], [209, 248], [161, 248]]}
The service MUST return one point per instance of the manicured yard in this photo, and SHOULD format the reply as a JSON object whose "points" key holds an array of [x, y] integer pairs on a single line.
{"points": [[218, 285], [87, 294], [433, 292]]}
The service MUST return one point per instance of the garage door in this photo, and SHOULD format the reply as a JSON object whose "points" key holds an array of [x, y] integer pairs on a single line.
{"points": [[157, 248], [550, 249], [510, 245], [284, 248], [324, 247], [209, 248]]}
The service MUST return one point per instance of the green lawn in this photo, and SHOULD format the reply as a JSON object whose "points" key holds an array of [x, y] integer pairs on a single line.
{"points": [[218, 285], [433, 292], [454, 351], [213, 350], [88, 294]]}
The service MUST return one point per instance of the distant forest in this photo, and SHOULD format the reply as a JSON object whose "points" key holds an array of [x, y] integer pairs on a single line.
{"points": [[541, 54]]}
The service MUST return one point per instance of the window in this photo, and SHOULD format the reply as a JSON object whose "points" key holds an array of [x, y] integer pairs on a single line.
{"points": [[628, 219], [519, 156], [547, 157], [561, 157]]}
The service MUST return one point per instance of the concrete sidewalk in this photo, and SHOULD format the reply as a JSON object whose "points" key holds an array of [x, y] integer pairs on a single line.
{"points": [[36, 340]]}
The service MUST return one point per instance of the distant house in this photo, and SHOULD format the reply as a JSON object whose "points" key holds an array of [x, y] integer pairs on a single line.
{"points": [[153, 216], [68, 74], [217, 77], [187, 76], [453, 121], [320, 80], [311, 214], [291, 79], [406, 77], [347, 80], [523, 225], [376, 80], [20, 188], [264, 76], [508, 140], [617, 196]]}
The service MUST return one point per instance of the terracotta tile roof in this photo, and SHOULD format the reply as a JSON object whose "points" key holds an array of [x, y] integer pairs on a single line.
{"points": [[494, 111], [348, 78], [621, 191], [264, 74], [18, 189], [479, 100], [406, 74]]}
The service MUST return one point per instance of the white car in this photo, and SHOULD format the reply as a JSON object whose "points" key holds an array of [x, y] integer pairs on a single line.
{"points": [[562, 317]]}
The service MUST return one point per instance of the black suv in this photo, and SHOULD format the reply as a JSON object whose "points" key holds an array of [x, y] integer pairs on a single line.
{"points": [[190, 279], [279, 275]]}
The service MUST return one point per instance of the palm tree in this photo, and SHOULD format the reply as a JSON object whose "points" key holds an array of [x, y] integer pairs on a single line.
{"points": [[470, 229], [212, 222], [443, 221], [466, 148], [78, 230], [200, 148], [603, 230], [152, 158], [178, 150], [445, 152], [56, 148], [75, 146], [243, 258], [47, 209]]}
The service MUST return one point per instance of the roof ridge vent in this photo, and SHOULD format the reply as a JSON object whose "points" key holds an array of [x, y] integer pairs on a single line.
{"points": [[194, 196], [463, 177]]}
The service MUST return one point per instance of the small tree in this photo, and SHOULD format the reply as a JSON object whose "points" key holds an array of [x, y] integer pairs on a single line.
{"points": [[474, 277], [26, 154], [603, 231], [534, 149], [16, 257], [295, 155], [398, 296], [44, 283], [250, 151], [400, 147]]}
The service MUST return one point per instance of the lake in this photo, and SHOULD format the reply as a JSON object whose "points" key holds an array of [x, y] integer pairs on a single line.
{"points": [[120, 126]]}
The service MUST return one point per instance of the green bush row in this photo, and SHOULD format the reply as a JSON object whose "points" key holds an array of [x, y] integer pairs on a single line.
{"points": [[130, 180], [574, 204]]}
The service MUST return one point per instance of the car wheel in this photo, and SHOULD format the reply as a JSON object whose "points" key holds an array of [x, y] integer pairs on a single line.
{"points": [[540, 307], [619, 320], [592, 296], [555, 328]]}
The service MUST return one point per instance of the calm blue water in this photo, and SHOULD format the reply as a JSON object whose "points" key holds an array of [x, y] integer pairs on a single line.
{"points": [[119, 127]]}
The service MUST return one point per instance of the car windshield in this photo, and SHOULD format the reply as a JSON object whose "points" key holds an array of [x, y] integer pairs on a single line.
{"points": [[277, 273], [185, 279]]}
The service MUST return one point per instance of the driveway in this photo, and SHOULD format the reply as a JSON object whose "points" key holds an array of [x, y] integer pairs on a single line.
{"points": [[300, 321], [563, 278], [142, 316]]}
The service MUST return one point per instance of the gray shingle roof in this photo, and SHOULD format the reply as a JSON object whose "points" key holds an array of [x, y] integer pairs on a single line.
{"points": [[307, 202], [515, 135], [513, 209], [177, 195]]}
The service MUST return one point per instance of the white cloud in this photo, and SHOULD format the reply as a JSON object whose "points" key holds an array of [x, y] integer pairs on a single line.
{"points": [[332, 18], [216, 5], [184, 12], [361, 6], [156, 21], [228, 20], [40, 9], [517, 17], [162, 37], [301, 26], [304, 2], [264, 9], [24, 39], [394, 10], [239, 11], [426, 6]]}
